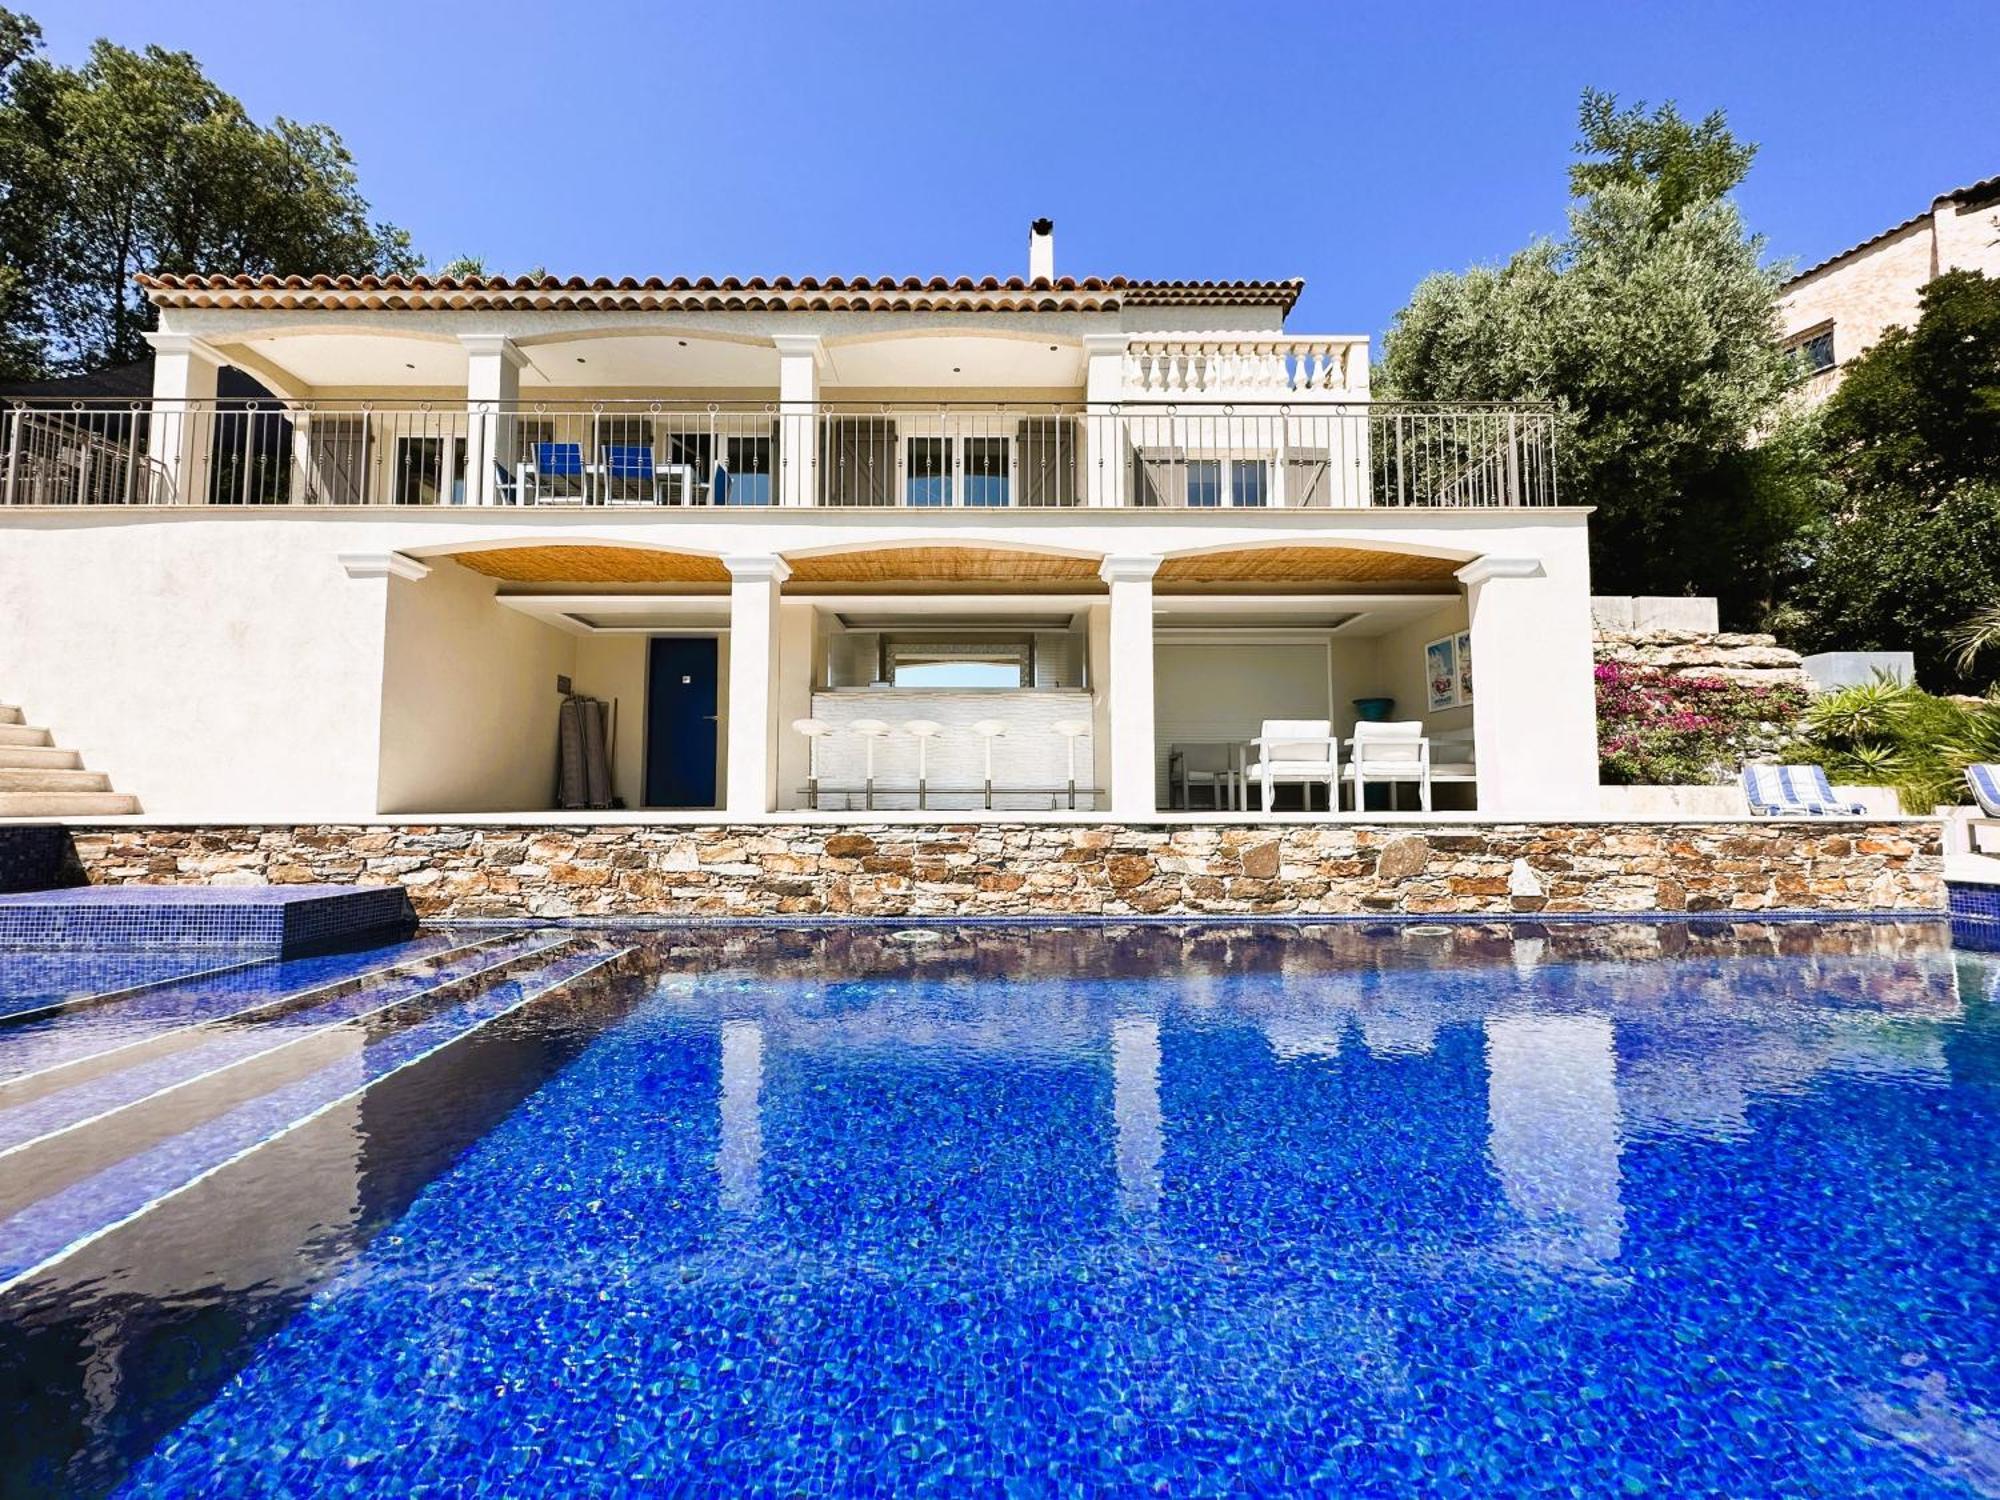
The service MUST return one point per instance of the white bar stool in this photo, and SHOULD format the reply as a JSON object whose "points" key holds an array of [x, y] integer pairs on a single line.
{"points": [[814, 730], [989, 730], [922, 730], [870, 731], [1072, 730]]}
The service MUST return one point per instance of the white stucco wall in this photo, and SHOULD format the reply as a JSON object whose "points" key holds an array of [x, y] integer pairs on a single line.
{"points": [[469, 700], [227, 671], [227, 664]]}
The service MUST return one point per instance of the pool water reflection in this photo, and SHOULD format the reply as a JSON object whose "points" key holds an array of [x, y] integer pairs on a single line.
{"points": [[1593, 1210]]}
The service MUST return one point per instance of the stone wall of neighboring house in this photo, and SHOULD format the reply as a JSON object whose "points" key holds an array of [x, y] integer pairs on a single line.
{"points": [[1874, 286], [1008, 870]]}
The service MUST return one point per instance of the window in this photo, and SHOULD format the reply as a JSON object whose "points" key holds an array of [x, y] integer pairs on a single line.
{"points": [[1246, 481], [918, 662], [929, 480], [958, 471], [986, 477], [1815, 350], [419, 470], [1202, 483], [750, 470]]}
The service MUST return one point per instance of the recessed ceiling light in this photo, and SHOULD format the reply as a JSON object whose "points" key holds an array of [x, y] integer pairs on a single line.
{"points": [[1052, 348], [408, 366], [579, 359], [956, 371], [682, 342]]}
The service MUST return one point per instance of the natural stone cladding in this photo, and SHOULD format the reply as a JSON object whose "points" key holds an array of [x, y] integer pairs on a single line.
{"points": [[1005, 870], [1755, 659]]}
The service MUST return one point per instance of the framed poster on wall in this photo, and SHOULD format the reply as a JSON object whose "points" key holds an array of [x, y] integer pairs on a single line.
{"points": [[1448, 672], [1441, 673]]}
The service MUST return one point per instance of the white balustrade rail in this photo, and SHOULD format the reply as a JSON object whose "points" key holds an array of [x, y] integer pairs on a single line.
{"points": [[1282, 365], [1260, 452]]}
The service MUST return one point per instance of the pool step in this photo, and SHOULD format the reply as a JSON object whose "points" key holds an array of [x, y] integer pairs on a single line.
{"points": [[65, 1188], [17, 733], [161, 1054], [9, 714]]}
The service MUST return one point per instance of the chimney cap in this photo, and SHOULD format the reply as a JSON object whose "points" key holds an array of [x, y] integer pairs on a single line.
{"points": [[1042, 226]]}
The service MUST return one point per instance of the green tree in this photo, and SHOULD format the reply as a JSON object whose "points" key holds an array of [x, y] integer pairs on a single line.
{"points": [[1652, 328], [1908, 560], [1688, 162], [137, 161]]}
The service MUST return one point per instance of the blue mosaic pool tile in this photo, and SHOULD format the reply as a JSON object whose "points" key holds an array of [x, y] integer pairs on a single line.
{"points": [[227, 1045], [279, 919], [52, 1225], [73, 1021], [1711, 1226]]}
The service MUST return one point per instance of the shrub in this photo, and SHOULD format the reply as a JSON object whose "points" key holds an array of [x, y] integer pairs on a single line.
{"points": [[1662, 729], [1883, 733]]}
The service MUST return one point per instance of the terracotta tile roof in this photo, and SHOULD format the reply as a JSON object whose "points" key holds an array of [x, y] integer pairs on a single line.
{"points": [[1957, 195], [781, 294]]}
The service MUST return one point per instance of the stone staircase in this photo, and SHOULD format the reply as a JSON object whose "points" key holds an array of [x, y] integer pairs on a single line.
{"points": [[39, 780]]}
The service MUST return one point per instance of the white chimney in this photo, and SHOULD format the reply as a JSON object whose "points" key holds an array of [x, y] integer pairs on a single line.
{"points": [[1042, 250]]}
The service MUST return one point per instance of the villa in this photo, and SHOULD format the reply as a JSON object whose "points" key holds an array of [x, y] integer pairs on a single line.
{"points": [[762, 548]]}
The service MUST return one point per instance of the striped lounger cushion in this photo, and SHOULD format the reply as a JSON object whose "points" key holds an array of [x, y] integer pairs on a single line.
{"points": [[1794, 792], [1984, 779]]}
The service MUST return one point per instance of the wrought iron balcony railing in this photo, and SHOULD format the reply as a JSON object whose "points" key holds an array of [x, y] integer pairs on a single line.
{"points": [[1192, 454]]}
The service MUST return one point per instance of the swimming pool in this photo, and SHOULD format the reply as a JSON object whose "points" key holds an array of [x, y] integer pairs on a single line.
{"points": [[1594, 1208]]}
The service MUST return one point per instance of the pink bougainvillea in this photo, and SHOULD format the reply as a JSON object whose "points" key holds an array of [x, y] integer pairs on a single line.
{"points": [[1661, 728]]}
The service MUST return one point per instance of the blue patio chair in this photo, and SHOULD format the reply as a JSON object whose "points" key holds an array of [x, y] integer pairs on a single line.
{"points": [[504, 488], [718, 486], [1794, 792], [629, 466], [1984, 779], [556, 461]]}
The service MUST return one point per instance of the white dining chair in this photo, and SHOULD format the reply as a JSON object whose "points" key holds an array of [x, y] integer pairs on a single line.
{"points": [[923, 731], [1071, 730], [814, 730], [1299, 752], [989, 730], [870, 730], [1390, 755]]}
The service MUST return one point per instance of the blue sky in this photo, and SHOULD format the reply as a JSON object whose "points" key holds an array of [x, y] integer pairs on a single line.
{"points": [[1358, 147]]}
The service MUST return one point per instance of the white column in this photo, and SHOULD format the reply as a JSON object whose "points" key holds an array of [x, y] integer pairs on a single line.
{"points": [[741, 1151], [799, 358], [1104, 444], [753, 669], [184, 377], [1128, 688], [492, 390], [1135, 1105], [1554, 1131], [1534, 695]]}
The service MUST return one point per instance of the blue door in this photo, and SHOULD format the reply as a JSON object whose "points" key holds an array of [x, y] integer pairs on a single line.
{"points": [[680, 722]]}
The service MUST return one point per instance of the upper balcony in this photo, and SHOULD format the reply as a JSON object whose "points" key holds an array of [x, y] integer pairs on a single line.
{"points": [[1230, 424]]}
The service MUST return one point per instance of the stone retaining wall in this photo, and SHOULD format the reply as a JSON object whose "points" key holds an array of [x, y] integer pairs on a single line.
{"points": [[468, 871]]}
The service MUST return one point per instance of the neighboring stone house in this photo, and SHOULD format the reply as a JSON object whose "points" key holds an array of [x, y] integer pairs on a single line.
{"points": [[1833, 311]]}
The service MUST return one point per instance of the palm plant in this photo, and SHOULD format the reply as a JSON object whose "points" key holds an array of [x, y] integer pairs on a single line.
{"points": [[1976, 636]]}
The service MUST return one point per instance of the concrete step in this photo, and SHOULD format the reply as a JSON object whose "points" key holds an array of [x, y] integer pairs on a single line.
{"points": [[67, 804], [39, 757], [49, 779], [23, 734], [9, 714]]}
